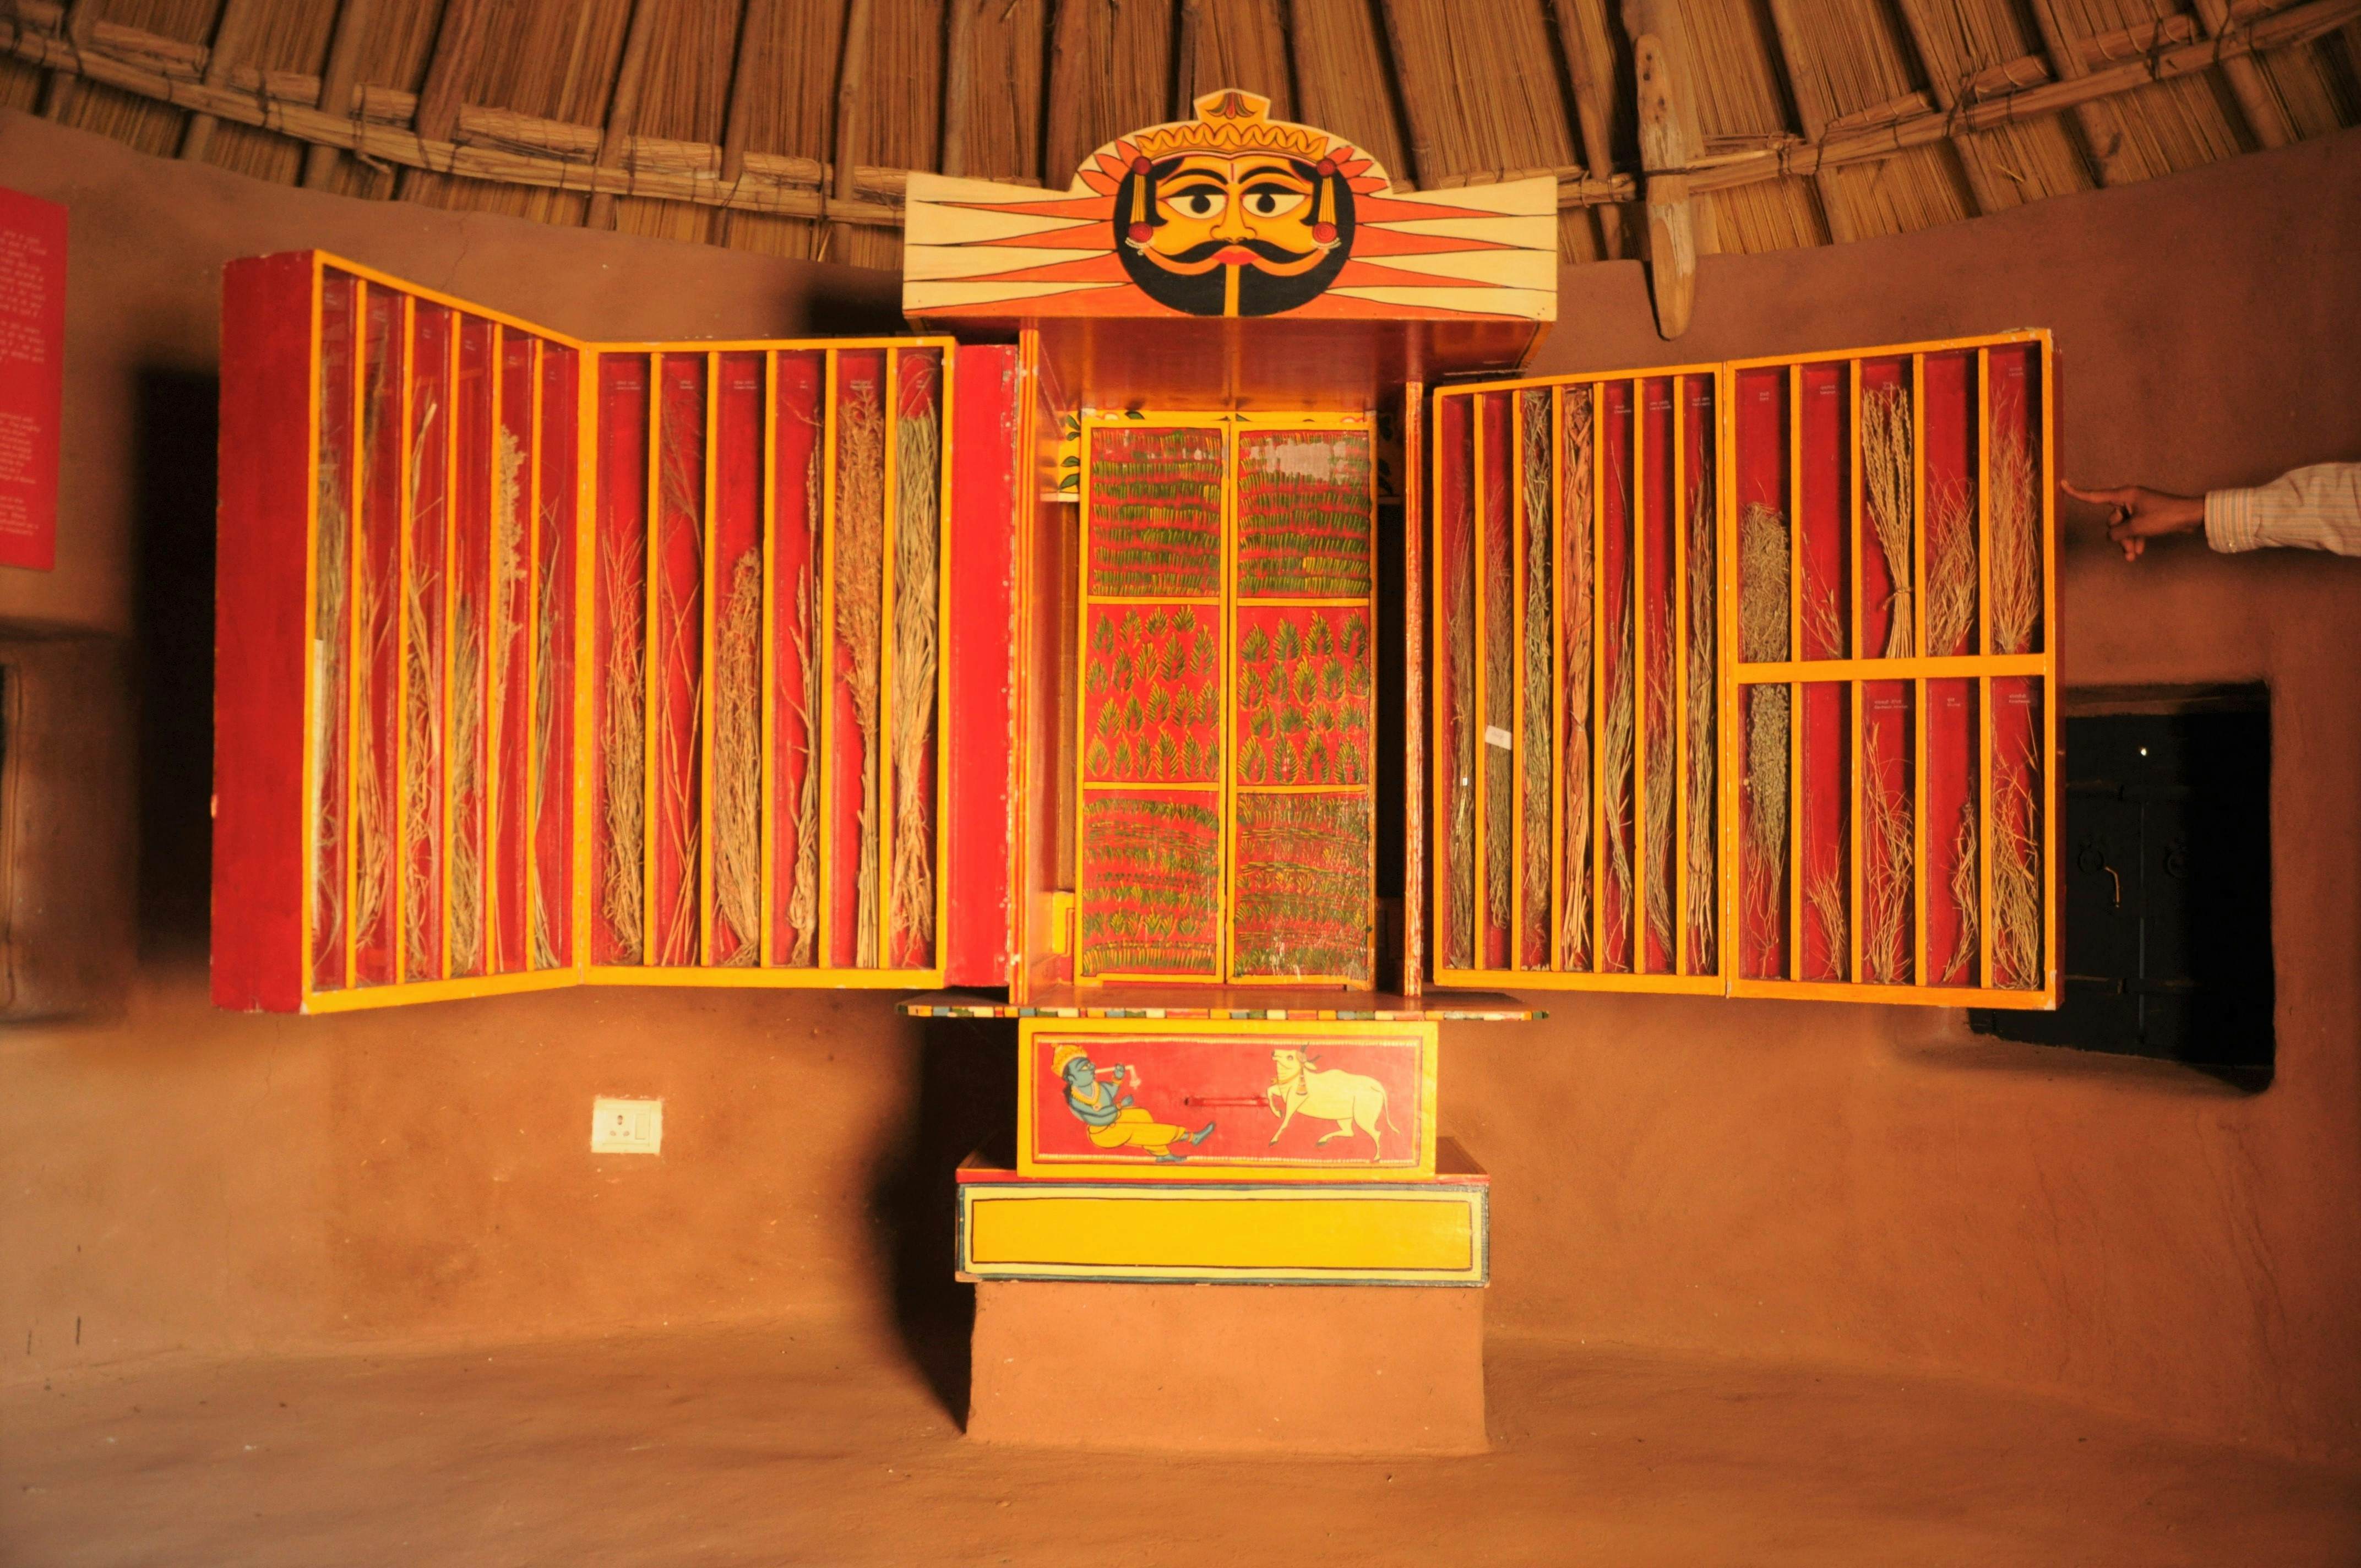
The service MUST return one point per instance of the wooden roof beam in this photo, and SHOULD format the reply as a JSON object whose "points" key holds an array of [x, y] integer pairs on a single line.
{"points": [[1672, 214], [852, 76], [1982, 195], [1418, 130], [1814, 103], [337, 80], [2102, 127], [1587, 79], [229, 46], [75, 26], [623, 105], [959, 85], [2266, 119]]}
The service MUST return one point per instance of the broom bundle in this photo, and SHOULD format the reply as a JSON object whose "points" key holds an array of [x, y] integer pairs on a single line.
{"points": [[738, 760], [1885, 474], [1763, 600], [1574, 918], [860, 593], [918, 531], [1534, 651]]}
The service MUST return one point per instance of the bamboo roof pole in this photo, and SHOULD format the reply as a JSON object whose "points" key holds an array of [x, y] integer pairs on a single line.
{"points": [[2265, 116], [58, 91], [851, 77], [1792, 58], [1981, 196], [623, 105], [2102, 129], [229, 48], [958, 84], [1286, 12], [1586, 77], [336, 81], [1671, 210], [459, 38], [753, 37], [1053, 71], [1188, 22], [1416, 129]]}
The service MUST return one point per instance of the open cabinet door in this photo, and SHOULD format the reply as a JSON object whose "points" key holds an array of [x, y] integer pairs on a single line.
{"points": [[544, 661], [1744, 678]]}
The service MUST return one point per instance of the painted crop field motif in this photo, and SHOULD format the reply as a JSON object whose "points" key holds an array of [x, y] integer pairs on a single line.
{"points": [[1303, 679], [1272, 1098], [1150, 894], [1303, 894], [1303, 514], [1152, 695], [1156, 514]]}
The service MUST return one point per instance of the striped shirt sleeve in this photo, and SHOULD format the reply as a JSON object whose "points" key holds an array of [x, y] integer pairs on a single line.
{"points": [[2317, 508]]}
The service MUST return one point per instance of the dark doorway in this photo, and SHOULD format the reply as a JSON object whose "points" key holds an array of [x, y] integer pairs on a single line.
{"points": [[2165, 887]]}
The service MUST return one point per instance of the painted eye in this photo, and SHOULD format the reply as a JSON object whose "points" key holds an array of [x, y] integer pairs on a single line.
{"points": [[1197, 203], [1271, 202]]}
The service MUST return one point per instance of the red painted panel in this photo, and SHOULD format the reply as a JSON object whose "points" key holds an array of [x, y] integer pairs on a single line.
{"points": [[32, 377], [553, 920], [1761, 465], [617, 678], [734, 682], [980, 644], [797, 462], [258, 881]]}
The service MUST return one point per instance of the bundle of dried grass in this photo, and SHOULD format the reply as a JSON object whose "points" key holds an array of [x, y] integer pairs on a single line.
{"points": [[1499, 715], [623, 753], [803, 631], [918, 538], [373, 832], [1618, 731], [1656, 806], [1460, 940], [860, 593], [2016, 876], [1824, 895], [1534, 652], [1574, 908], [1888, 855], [1763, 590], [422, 720], [1964, 890], [1950, 570], [543, 923], [737, 780], [2015, 505], [1885, 475], [678, 716], [467, 696], [331, 651], [1696, 850]]}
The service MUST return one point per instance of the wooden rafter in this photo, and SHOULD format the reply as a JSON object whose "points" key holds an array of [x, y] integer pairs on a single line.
{"points": [[1587, 78], [623, 107], [1418, 134], [2266, 119], [958, 84], [1671, 212], [229, 46], [337, 80], [2101, 128], [1810, 90], [1981, 196], [58, 91], [457, 35], [851, 77]]}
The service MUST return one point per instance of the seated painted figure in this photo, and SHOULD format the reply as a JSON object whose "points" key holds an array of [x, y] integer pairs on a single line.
{"points": [[1108, 1115]]}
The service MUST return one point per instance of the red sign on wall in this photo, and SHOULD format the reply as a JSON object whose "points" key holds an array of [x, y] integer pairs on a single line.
{"points": [[32, 376]]}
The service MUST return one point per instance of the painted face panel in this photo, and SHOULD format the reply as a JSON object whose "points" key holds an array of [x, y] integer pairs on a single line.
{"points": [[1246, 235]]}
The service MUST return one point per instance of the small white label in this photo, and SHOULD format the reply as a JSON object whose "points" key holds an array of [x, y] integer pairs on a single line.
{"points": [[626, 1126], [1496, 736]]}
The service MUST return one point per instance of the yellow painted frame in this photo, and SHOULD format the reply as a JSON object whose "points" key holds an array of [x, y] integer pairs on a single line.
{"points": [[1421, 1037], [353, 996]]}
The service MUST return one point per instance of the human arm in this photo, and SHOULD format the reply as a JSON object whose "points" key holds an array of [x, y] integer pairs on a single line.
{"points": [[2315, 507]]}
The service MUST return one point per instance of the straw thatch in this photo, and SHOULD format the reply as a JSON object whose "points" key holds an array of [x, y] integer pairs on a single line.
{"points": [[721, 123]]}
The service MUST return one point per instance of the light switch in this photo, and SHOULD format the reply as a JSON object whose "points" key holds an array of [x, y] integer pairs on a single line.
{"points": [[626, 1126]]}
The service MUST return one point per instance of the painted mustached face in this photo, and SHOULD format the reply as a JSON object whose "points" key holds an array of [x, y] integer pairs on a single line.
{"points": [[1246, 235]]}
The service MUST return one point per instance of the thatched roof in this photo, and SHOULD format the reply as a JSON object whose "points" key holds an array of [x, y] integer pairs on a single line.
{"points": [[1791, 122]]}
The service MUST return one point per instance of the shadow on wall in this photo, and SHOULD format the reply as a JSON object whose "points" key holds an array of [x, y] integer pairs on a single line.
{"points": [[966, 1084], [177, 421]]}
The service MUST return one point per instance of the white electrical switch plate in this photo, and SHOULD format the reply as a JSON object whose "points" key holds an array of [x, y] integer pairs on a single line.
{"points": [[626, 1126]]}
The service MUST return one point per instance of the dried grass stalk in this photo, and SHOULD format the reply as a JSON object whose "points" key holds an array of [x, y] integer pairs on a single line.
{"points": [[466, 827], [1500, 715], [544, 920], [2015, 513], [1824, 895], [1763, 584], [1888, 854], [679, 701], [1460, 941], [1964, 889], [2016, 876], [917, 541], [1697, 843], [1950, 570], [737, 781], [422, 726], [1885, 474], [331, 653], [803, 630], [1656, 810], [1618, 727], [1574, 907], [860, 593], [1541, 729], [1824, 630], [1763, 590], [622, 753]]}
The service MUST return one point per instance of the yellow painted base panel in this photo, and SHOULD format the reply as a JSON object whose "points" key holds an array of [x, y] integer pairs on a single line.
{"points": [[1434, 1233]]}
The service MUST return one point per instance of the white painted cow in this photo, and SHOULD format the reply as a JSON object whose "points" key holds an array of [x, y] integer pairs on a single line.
{"points": [[1348, 1098]]}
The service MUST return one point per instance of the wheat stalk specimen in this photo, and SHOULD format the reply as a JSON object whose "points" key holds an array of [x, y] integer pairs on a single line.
{"points": [[2015, 506], [859, 592], [1462, 868], [331, 650], [1950, 570], [803, 631], [1886, 487], [423, 723], [737, 778], [622, 753], [1574, 917], [1656, 811], [1763, 600], [1886, 874], [1532, 946], [918, 538], [1824, 894], [679, 701], [1617, 731], [467, 826], [543, 934], [2016, 877], [1696, 850]]}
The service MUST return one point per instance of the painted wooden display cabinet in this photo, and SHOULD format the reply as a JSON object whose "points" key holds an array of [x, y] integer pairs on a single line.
{"points": [[1183, 644]]}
